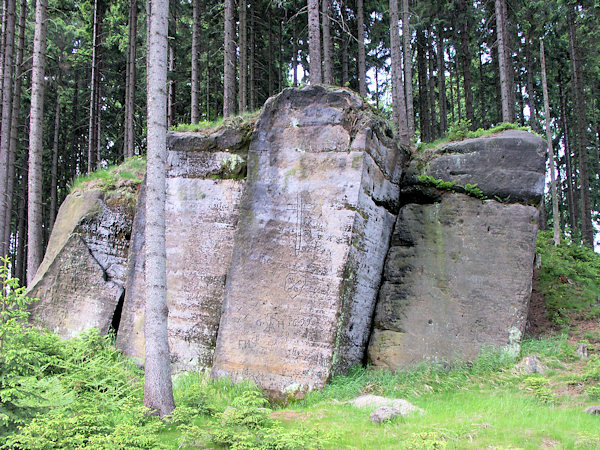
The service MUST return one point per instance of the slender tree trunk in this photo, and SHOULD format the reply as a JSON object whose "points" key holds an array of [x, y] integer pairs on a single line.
{"points": [[158, 389], [195, 105], [229, 71], [14, 118], [555, 213], [458, 103], [398, 99], [345, 68], [243, 80], [503, 63], [327, 44], [20, 262], [424, 116], [129, 139], [482, 99], [465, 61], [251, 61], [295, 47], [530, 92], [171, 105], [7, 96], [431, 84], [581, 123], [34, 201], [569, 166], [314, 42], [362, 67], [441, 65], [406, 35], [280, 51], [93, 138], [54, 169], [452, 118], [270, 55]]}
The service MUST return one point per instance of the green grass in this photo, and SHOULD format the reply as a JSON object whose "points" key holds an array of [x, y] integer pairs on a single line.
{"points": [[132, 169], [569, 278], [212, 126]]}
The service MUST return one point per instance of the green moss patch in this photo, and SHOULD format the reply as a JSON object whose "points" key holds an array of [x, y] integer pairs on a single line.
{"points": [[123, 177]]}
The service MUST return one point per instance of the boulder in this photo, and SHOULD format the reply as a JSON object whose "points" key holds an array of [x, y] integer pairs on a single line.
{"points": [[458, 273], [205, 178], [384, 414], [81, 279], [376, 402], [529, 365], [315, 222]]}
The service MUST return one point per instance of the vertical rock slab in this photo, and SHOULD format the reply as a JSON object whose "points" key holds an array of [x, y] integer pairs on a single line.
{"points": [[315, 222], [204, 185], [82, 276], [458, 273]]}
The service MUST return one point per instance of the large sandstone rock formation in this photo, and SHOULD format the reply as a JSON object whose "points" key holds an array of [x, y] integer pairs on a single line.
{"points": [[316, 217], [303, 242], [458, 272], [83, 274], [205, 178]]}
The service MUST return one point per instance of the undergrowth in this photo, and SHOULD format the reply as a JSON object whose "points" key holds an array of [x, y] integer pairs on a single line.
{"points": [[212, 126], [569, 278], [131, 170]]}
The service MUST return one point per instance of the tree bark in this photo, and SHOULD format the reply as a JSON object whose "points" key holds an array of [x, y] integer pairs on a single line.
{"points": [[327, 44], [569, 166], [229, 70], [530, 92], [34, 200], [360, 34], [503, 63], [406, 35], [195, 97], [587, 229], [7, 96], [431, 57], [171, 105], [441, 66], [465, 61], [20, 260], [424, 116], [251, 61], [398, 99], [93, 137], [555, 213], [54, 169], [243, 45], [158, 389], [314, 42], [14, 118], [295, 47], [129, 139]]}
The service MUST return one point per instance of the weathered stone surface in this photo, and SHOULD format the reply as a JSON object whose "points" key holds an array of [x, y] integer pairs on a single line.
{"points": [[384, 414], [594, 410], [529, 365], [74, 293], [77, 295], [201, 215], [370, 401], [509, 165], [316, 217], [457, 278]]}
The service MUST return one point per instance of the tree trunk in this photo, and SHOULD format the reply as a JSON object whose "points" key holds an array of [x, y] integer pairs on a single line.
{"points": [[270, 55], [251, 61], [314, 42], [20, 262], [171, 105], [54, 169], [441, 66], [530, 92], [465, 61], [129, 138], [360, 35], [581, 123], [345, 69], [398, 99], [7, 96], [431, 84], [569, 168], [93, 138], [34, 199], [14, 119], [295, 47], [555, 213], [195, 97], [327, 44], [243, 45], [424, 116], [503, 63], [158, 389], [406, 35], [229, 70]]}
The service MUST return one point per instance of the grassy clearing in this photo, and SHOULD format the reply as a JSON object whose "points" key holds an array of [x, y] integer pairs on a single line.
{"points": [[130, 172]]}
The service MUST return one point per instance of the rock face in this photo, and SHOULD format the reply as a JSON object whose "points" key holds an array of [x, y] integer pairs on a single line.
{"points": [[204, 186], [458, 273], [300, 242], [82, 276], [316, 217]]}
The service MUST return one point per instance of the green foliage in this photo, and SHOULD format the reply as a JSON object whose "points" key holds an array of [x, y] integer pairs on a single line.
{"points": [[131, 171], [539, 386], [469, 189], [569, 277]]}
